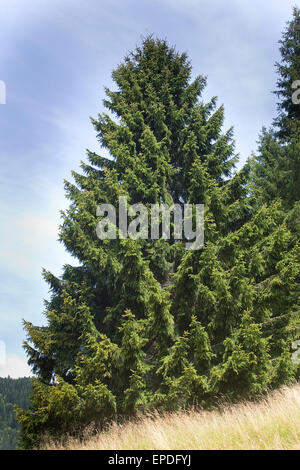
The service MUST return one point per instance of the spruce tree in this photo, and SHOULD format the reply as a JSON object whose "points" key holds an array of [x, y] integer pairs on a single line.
{"points": [[276, 167], [288, 78], [143, 324], [275, 174]]}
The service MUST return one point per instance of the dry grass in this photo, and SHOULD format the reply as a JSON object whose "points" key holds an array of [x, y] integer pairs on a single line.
{"points": [[273, 423]]}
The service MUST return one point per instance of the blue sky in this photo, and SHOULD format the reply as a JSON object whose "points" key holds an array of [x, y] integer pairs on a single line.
{"points": [[56, 57]]}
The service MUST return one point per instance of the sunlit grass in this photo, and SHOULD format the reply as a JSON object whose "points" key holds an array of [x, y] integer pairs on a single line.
{"points": [[272, 423]]}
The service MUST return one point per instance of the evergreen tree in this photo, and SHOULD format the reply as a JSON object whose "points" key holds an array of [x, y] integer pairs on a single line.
{"points": [[276, 168], [146, 323], [289, 75], [275, 175]]}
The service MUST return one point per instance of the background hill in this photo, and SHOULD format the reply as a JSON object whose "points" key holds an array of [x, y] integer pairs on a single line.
{"points": [[12, 392]]}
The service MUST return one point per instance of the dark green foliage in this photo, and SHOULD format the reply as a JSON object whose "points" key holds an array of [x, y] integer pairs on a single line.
{"points": [[246, 365], [289, 72], [144, 324], [13, 392], [276, 168]]}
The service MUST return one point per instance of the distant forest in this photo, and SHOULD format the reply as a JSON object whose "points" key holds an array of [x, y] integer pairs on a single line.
{"points": [[12, 392]]}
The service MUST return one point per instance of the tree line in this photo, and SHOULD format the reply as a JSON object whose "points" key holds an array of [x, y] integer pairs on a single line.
{"points": [[12, 392]]}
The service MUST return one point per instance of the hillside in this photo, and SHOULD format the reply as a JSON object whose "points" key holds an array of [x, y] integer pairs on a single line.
{"points": [[12, 391], [272, 423]]}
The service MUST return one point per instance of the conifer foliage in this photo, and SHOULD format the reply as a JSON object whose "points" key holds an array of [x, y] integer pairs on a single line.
{"points": [[277, 168], [13, 392], [146, 324]]}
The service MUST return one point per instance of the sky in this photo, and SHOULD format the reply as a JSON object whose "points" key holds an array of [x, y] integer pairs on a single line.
{"points": [[56, 58]]}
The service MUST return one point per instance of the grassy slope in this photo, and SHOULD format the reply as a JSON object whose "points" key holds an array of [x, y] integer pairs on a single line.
{"points": [[273, 423]]}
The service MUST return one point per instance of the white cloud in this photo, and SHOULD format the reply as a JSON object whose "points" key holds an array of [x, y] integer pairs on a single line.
{"points": [[15, 366], [26, 240], [35, 229]]}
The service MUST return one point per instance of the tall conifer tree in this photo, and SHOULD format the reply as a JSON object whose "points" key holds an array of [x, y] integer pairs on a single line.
{"points": [[277, 164], [143, 324]]}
